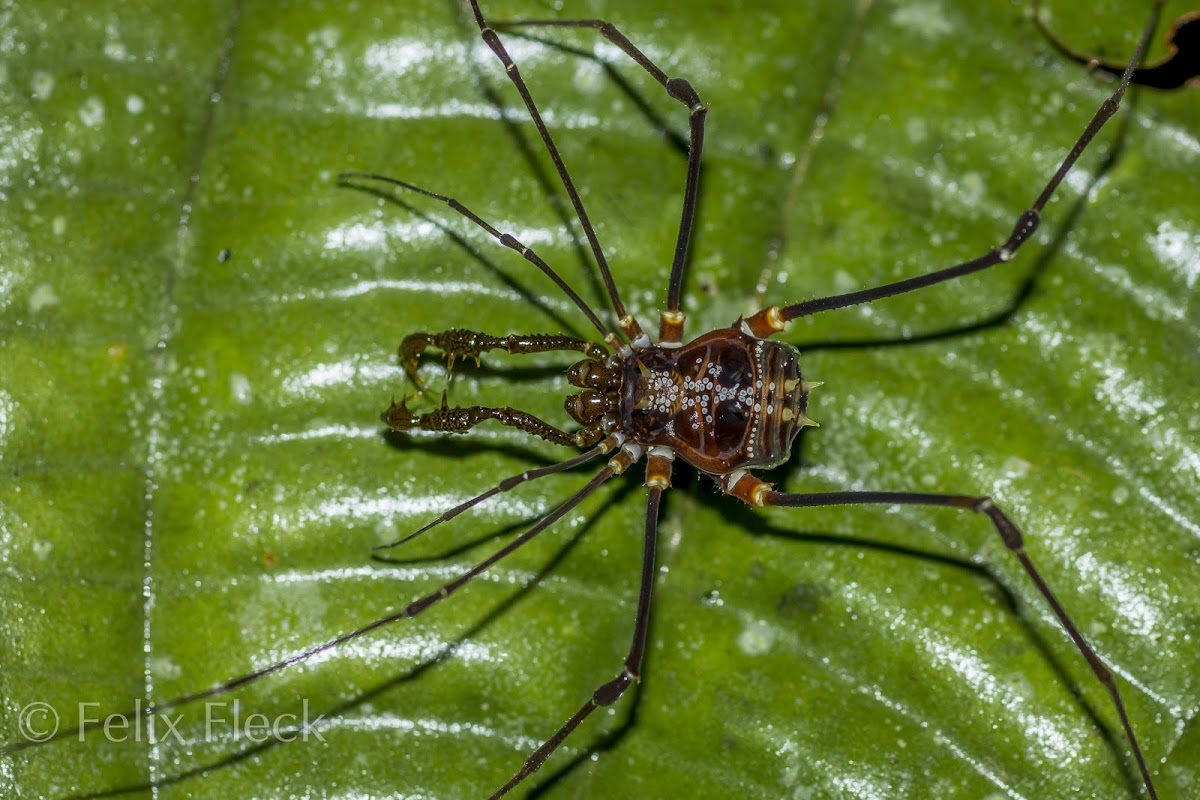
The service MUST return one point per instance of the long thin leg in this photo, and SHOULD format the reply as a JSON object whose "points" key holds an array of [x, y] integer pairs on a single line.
{"points": [[459, 343], [629, 325], [1178, 68], [608, 693], [505, 239], [671, 324], [411, 610], [609, 444], [757, 493], [460, 419], [773, 319]]}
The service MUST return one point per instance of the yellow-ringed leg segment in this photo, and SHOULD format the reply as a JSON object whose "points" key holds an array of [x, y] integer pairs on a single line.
{"points": [[765, 323], [670, 328]]}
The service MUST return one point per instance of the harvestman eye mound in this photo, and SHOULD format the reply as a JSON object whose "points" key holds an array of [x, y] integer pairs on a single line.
{"points": [[729, 403]]}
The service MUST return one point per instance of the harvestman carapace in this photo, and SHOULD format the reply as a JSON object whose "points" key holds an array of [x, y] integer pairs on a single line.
{"points": [[728, 402]]}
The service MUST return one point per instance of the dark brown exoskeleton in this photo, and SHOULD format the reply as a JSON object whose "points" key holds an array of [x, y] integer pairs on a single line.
{"points": [[724, 402], [728, 402]]}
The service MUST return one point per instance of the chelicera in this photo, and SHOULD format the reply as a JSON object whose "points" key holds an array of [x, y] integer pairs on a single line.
{"points": [[728, 402]]}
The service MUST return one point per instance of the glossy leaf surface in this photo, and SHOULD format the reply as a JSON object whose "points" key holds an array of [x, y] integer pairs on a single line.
{"points": [[195, 328]]}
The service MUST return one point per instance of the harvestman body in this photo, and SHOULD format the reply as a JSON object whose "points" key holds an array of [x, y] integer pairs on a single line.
{"points": [[728, 402]]}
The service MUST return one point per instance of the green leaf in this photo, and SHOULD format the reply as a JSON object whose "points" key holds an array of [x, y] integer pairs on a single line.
{"points": [[197, 322]]}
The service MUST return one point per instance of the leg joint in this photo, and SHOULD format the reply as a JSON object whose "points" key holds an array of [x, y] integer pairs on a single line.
{"points": [[610, 692]]}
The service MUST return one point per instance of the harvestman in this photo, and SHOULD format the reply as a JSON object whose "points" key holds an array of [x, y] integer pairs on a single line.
{"points": [[728, 402]]}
